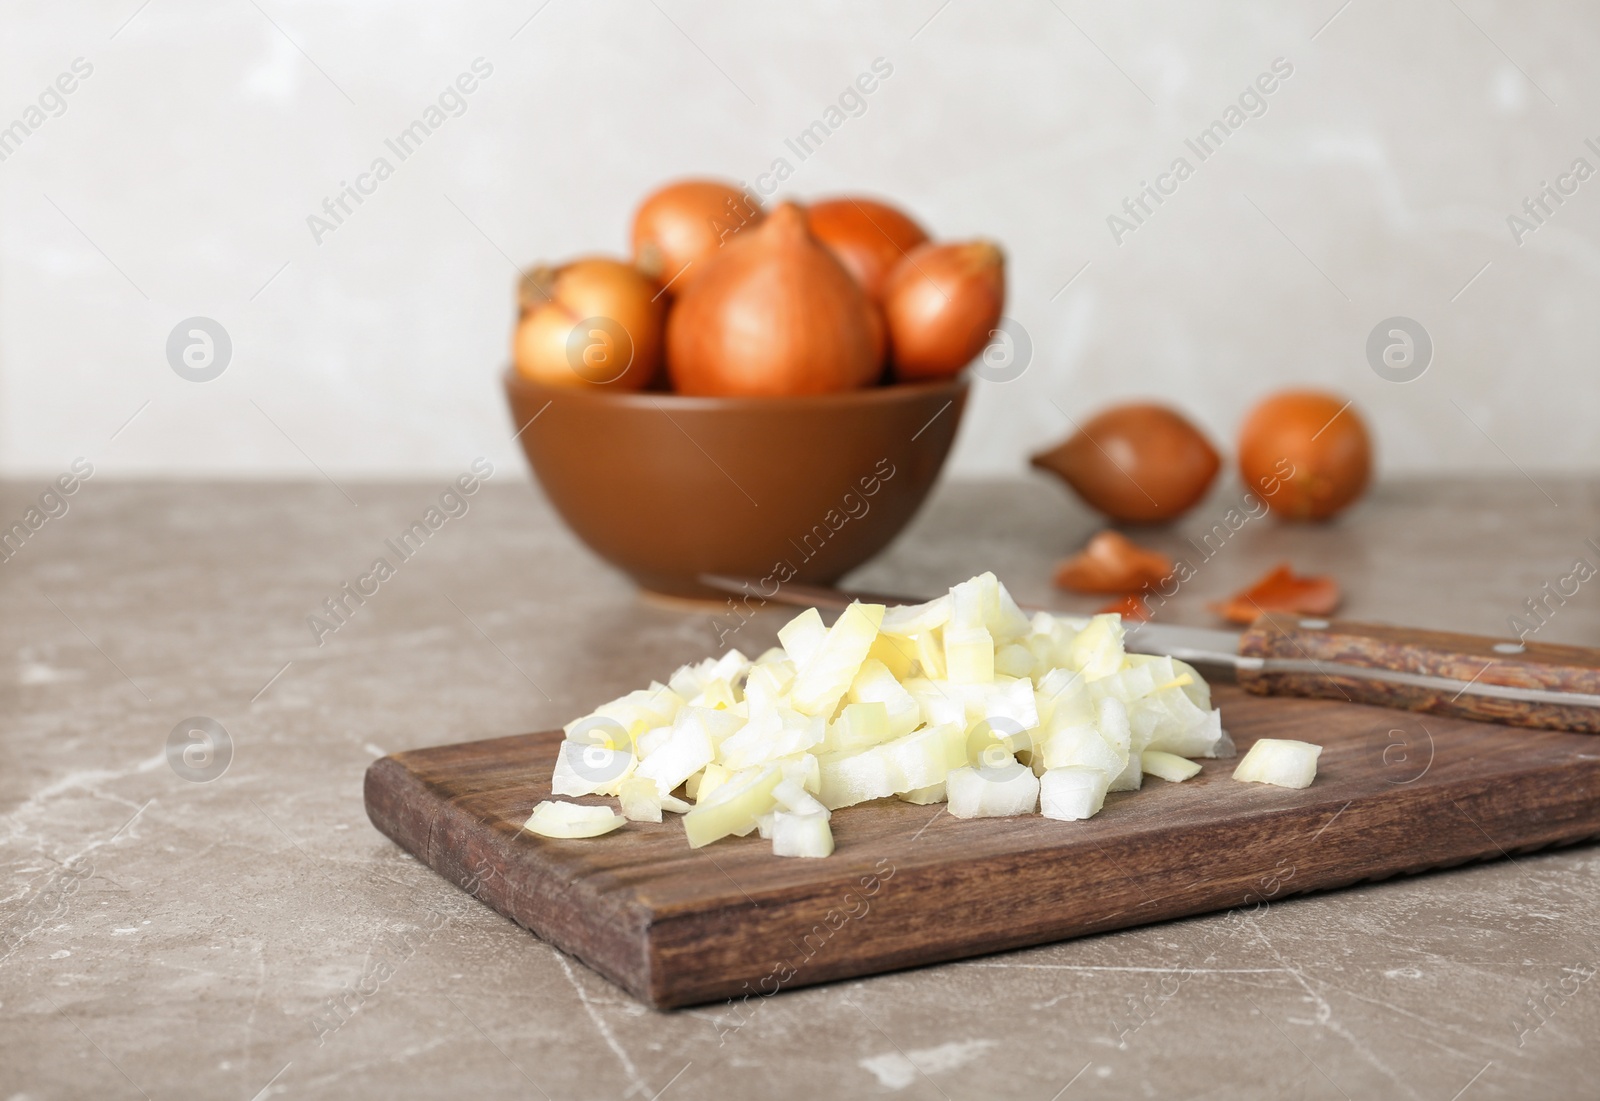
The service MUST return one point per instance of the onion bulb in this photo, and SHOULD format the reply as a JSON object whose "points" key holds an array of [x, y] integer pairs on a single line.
{"points": [[774, 314], [869, 237], [942, 304], [1140, 463], [593, 322], [1306, 453], [681, 226]]}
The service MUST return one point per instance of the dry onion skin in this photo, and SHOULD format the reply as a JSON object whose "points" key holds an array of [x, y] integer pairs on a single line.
{"points": [[964, 700], [594, 322], [1281, 590], [1112, 563]]}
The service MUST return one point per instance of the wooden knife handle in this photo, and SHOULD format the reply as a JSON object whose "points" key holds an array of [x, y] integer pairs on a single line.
{"points": [[1461, 658]]}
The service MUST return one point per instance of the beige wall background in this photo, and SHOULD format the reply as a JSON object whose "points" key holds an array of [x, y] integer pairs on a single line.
{"points": [[176, 179]]}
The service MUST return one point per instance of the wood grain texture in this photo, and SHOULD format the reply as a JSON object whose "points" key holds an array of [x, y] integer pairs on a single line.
{"points": [[1462, 658], [909, 885]]}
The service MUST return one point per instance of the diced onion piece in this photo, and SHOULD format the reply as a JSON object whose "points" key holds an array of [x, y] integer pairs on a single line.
{"points": [[939, 701], [1009, 702], [930, 654], [992, 792], [1073, 793], [565, 820], [826, 676], [795, 799], [923, 758], [1013, 660], [806, 835], [1083, 747], [851, 778], [686, 752], [648, 742], [730, 666], [934, 793], [910, 620], [1006, 621], [802, 770], [969, 655], [1097, 649], [875, 683], [769, 683], [673, 805], [1131, 778], [860, 726], [734, 808], [1167, 766], [1114, 729], [802, 636], [781, 732], [712, 777], [895, 654], [1197, 689], [718, 693], [586, 769], [1280, 761], [640, 799]]}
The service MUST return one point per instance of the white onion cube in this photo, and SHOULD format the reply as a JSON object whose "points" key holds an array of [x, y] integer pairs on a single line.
{"points": [[1279, 761], [805, 835], [992, 792], [1073, 793]]}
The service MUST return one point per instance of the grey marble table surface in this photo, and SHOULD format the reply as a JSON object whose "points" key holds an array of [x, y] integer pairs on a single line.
{"points": [[253, 936]]}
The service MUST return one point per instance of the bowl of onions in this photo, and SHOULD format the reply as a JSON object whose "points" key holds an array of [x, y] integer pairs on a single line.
{"points": [[761, 393]]}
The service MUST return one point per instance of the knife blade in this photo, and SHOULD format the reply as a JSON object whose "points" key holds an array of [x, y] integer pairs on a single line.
{"points": [[1463, 676]]}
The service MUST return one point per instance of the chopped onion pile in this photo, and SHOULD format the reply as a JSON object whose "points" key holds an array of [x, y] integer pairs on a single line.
{"points": [[963, 700], [1280, 761]]}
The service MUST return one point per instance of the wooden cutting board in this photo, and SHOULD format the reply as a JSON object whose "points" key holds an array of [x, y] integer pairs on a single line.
{"points": [[910, 885]]}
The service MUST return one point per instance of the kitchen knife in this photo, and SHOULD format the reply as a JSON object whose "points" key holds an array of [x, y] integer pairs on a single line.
{"points": [[1462, 676]]}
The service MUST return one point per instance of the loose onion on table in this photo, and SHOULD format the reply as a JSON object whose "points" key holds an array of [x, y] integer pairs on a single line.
{"points": [[868, 236], [592, 322], [942, 303], [774, 314], [963, 699], [1307, 454], [682, 225], [553, 819], [1141, 463], [1279, 761]]}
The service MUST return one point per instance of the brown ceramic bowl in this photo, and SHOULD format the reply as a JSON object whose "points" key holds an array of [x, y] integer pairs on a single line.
{"points": [[668, 488]]}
